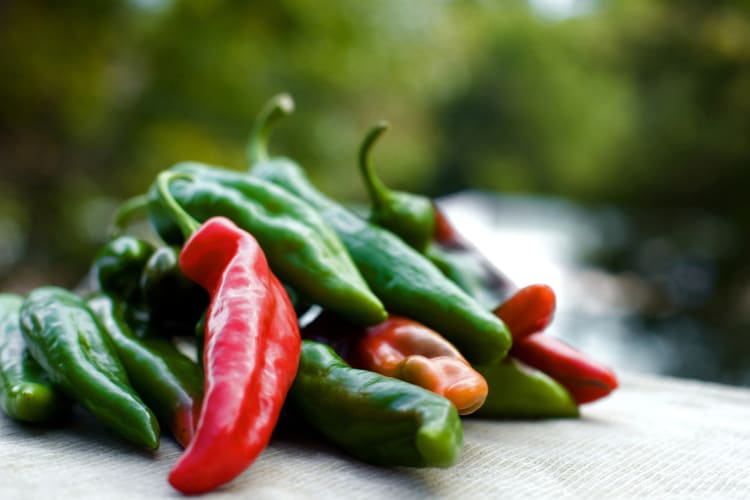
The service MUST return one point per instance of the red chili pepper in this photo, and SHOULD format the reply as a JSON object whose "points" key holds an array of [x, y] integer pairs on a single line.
{"points": [[585, 378], [251, 353], [528, 311], [407, 350]]}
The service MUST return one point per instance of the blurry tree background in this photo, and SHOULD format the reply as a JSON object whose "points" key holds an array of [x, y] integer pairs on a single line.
{"points": [[642, 106]]}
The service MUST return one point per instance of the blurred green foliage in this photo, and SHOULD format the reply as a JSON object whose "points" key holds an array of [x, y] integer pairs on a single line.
{"points": [[642, 103]]}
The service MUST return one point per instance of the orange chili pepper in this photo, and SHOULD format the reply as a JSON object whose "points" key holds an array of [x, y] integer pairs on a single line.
{"points": [[407, 350]]}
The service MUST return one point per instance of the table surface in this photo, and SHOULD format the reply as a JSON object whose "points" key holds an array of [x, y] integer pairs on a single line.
{"points": [[654, 437]]}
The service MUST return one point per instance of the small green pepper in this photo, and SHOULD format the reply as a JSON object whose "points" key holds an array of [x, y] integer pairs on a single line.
{"points": [[520, 391], [407, 215], [169, 382], [26, 393], [118, 264], [65, 338], [406, 281], [173, 303], [374, 418]]}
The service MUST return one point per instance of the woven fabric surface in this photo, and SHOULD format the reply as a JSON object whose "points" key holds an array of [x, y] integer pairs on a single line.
{"points": [[653, 438]]}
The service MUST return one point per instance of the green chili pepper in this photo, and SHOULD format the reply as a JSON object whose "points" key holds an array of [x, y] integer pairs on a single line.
{"points": [[519, 391], [409, 216], [67, 340], [26, 393], [403, 279], [118, 264], [169, 382], [301, 248], [374, 418], [172, 302]]}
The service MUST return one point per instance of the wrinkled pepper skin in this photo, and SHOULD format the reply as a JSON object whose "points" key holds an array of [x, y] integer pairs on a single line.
{"points": [[65, 338], [26, 393], [584, 377], [406, 282], [377, 419], [519, 391], [409, 216], [170, 383], [172, 302], [409, 351], [302, 249], [118, 265]]}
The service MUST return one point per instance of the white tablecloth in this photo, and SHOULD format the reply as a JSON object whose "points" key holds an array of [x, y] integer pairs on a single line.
{"points": [[652, 438]]}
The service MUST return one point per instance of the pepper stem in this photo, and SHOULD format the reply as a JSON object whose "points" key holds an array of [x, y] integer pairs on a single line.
{"points": [[378, 191], [278, 106], [187, 224], [127, 212]]}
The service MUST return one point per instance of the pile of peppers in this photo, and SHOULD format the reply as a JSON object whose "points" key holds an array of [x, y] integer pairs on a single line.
{"points": [[377, 334]]}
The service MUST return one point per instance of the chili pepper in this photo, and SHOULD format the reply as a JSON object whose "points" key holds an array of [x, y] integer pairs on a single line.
{"points": [[26, 393], [169, 382], [406, 350], [118, 264], [520, 391], [585, 378], [408, 216], [174, 304], [252, 347], [422, 224], [403, 279], [374, 418], [302, 249], [67, 340], [528, 311]]}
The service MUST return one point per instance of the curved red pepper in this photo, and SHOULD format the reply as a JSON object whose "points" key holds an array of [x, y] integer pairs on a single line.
{"points": [[585, 378], [252, 347], [528, 311], [407, 350]]}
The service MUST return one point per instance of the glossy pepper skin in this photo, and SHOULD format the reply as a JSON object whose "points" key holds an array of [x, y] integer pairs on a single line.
{"points": [[520, 391], [65, 338], [409, 351], [528, 311], [374, 418], [118, 264], [170, 383], [251, 352], [26, 393], [173, 303], [403, 279], [409, 216], [584, 377], [302, 249]]}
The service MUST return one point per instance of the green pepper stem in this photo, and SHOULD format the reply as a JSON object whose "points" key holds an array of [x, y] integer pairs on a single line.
{"points": [[378, 191], [187, 224], [278, 106], [127, 212]]}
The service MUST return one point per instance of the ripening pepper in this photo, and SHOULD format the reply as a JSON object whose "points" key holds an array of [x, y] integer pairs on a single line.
{"points": [[66, 339], [26, 393], [170, 383], [406, 282], [374, 418]]}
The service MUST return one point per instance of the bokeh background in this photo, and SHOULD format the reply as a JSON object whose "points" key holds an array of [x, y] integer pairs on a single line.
{"points": [[605, 144]]}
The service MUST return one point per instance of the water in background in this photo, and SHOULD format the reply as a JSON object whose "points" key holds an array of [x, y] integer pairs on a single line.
{"points": [[632, 298]]}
